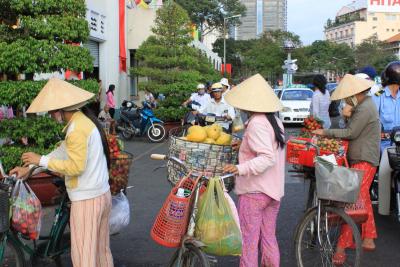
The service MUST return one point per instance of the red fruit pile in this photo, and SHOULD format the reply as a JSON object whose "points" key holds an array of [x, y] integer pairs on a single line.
{"points": [[119, 173], [310, 124], [113, 145], [26, 215]]}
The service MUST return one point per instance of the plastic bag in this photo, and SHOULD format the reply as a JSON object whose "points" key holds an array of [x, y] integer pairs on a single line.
{"points": [[234, 211], [237, 123], [120, 213], [215, 225], [26, 210]]}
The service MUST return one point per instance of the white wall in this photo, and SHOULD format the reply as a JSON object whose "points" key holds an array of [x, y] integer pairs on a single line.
{"points": [[109, 50]]}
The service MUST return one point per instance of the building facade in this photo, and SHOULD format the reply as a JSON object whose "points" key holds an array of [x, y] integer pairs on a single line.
{"points": [[261, 16], [363, 19]]}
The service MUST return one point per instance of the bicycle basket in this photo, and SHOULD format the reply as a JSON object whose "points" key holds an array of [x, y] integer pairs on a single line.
{"points": [[394, 158], [119, 172], [209, 159], [337, 183], [172, 220], [4, 210]]}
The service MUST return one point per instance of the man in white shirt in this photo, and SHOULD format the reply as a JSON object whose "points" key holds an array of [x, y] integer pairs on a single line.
{"points": [[225, 86], [218, 106], [200, 99]]}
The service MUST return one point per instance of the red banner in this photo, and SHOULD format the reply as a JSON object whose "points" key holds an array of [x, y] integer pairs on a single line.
{"points": [[228, 68], [122, 48]]}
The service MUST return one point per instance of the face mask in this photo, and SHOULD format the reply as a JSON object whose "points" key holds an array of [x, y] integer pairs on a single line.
{"points": [[57, 116], [201, 92], [352, 101]]}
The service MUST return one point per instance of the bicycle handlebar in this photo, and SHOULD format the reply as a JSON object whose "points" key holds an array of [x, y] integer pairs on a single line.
{"points": [[182, 164]]}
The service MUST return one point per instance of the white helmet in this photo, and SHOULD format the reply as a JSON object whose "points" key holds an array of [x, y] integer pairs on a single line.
{"points": [[225, 82], [200, 86]]}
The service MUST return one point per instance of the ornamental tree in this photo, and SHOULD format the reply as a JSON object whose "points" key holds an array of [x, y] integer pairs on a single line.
{"points": [[37, 37], [169, 63]]}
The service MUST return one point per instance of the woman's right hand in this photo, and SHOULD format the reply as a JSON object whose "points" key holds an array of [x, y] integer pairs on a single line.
{"points": [[347, 110], [21, 172]]}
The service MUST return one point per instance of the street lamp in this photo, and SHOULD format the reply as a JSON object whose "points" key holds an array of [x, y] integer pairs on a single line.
{"points": [[289, 65], [336, 63], [225, 20]]}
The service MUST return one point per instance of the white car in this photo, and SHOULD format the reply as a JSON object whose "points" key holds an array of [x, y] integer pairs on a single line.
{"points": [[296, 104]]}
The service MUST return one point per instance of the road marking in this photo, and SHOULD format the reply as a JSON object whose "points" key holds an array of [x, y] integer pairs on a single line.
{"points": [[147, 152]]}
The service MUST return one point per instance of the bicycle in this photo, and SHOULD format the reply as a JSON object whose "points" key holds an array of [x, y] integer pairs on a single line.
{"points": [[318, 232], [190, 253], [14, 245]]}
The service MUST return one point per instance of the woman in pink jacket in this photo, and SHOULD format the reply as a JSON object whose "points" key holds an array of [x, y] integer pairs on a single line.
{"points": [[260, 172], [110, 99]]}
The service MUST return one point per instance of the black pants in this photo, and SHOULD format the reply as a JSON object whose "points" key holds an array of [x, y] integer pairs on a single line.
{"points": [[112, 112]]}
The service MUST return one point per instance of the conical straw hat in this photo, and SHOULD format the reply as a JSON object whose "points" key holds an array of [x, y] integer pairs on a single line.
{"points": [[351, 85], [58, 94], [254, 94]]}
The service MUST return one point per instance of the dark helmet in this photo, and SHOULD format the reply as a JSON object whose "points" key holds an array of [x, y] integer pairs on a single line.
{"points": [[391, 74]]}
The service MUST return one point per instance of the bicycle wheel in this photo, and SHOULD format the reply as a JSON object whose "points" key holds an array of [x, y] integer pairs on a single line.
{"points": [[191, 257], [13, 256], [310, 251]]}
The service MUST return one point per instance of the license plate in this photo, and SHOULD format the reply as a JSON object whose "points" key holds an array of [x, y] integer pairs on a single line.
{"points": [[301, 117], [210, 119]]}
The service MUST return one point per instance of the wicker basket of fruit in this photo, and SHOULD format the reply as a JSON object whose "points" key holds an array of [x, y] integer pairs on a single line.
{"points": [[203, 149], [119, 172]]}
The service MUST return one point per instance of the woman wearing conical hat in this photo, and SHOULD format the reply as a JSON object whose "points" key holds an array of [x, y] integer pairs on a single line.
{"points": [[363, 132], [260, 172], [83, 158]]}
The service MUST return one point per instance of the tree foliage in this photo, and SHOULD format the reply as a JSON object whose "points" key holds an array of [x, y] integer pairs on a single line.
{"points": [[169, 65], [35, 36], [372, 52], [209, 14]]}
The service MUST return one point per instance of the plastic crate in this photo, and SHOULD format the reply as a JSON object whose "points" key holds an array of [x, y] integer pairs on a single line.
{"points": [[302, 155]]}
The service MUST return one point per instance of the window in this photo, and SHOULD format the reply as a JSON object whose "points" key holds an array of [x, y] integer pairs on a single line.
{"points": [[390, 17], [392, 30], [336, 35], [341, 34], [374, 27], [387, 30], [374, 18], [347, 33]]}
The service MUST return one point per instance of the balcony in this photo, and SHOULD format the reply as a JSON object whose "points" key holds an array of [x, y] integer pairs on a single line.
{"points": [[342, 20]]}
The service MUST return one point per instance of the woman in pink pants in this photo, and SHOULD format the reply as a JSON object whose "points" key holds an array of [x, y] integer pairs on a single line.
{"points": [[261, 170]]}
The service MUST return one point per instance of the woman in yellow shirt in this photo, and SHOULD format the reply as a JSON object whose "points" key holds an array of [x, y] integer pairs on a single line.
{"points": [[84, 159]]}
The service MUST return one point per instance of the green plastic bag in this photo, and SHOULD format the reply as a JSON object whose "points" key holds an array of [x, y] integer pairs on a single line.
{"points": [[215, 225]]}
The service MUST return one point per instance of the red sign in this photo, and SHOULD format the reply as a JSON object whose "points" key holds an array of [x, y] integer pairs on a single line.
{"points": [[384, 5], [228, 68]]}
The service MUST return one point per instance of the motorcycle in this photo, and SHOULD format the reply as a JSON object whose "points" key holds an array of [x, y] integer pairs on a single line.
{"points": [[389, 177], [140, 121]]}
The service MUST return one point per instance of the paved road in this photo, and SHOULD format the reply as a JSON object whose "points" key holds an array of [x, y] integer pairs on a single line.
{"points": [[135, 248]]}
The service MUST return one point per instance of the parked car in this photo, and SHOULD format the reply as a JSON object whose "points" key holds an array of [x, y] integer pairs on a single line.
{"points": [[296, 102]]}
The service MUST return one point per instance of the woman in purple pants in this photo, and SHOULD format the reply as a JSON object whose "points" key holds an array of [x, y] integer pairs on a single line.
{"points": [[260, 172]]}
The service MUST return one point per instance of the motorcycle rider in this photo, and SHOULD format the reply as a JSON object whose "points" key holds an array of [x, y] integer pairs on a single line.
{"points": [[225, 86], [199, 99], [218, 106], [388, 105]]}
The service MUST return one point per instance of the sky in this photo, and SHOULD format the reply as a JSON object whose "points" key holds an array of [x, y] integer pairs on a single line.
{"points": [[307, 18]]}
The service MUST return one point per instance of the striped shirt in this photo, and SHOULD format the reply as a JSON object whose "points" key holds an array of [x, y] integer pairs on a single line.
{"points": [[320, 107]]}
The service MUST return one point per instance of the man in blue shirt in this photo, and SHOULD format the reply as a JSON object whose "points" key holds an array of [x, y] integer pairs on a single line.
{"points": [[387, 99]]}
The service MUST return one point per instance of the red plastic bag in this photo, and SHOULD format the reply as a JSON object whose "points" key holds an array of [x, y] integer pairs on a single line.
{"points": [[26, 210]]}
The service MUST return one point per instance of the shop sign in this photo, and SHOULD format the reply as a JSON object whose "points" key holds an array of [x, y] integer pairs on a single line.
{"points": [[386, 6]]}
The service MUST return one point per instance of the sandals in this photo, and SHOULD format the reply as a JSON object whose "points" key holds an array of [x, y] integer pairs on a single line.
{"points": [[339, 258]]}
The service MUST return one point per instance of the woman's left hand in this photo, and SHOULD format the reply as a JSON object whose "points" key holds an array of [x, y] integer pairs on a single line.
{"points": [[319, 132], [231, 169], [31, 158]]}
